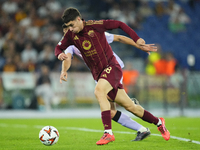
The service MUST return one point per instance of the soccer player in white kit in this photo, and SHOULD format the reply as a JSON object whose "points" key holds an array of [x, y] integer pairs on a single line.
{"points": [[116, 115]]}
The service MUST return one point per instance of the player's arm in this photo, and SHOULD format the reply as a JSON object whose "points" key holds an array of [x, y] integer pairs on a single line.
{"points": [[65, 67], [114, 24], [61, 46], [126, 40], [63, 56]]}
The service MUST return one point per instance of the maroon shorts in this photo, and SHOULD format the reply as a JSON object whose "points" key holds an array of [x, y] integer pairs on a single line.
{"points": [[113, 74]]}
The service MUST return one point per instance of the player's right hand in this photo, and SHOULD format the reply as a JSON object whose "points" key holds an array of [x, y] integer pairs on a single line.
{"points": [[63, 76], [62, 56]]}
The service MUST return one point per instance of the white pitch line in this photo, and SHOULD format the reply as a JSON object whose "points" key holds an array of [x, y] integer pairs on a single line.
{"points": [[93, 130], [124, 132]]}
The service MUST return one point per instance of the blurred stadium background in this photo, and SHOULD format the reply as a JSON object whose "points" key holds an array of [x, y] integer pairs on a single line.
{"points": [[166, 83]]}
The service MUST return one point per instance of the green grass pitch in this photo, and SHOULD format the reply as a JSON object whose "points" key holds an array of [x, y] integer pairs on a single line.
{"points": [[82, 134]]}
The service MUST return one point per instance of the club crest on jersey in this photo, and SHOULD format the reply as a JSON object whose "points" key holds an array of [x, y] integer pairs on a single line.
{"points": [[91, 33], [86, 44]]}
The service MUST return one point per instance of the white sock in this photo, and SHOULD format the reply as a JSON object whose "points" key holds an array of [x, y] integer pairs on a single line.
{"points": [[159, 122], [109, 131], [126, 121], [142, 129]]}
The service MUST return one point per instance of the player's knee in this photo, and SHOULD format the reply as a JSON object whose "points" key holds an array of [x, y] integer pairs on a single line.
{"points": [[98, 92]]}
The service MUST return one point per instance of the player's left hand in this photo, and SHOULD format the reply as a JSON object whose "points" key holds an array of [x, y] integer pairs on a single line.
{"points": [[140, 41], [148, 48], [63, 76]]}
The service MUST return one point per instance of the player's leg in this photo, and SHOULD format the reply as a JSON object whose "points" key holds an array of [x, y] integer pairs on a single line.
{"points": [[101, 90], [126, 121], [123, 100]]}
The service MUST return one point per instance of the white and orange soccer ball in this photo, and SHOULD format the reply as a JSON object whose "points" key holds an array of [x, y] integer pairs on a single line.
{"points": [[49, 135]]}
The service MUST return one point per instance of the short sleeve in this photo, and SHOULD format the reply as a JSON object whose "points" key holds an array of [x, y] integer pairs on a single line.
{"points": [[69, 50], [109, 37]]}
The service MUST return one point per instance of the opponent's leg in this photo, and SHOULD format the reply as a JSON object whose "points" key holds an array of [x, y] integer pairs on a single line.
{"points": [[123, 100], [126, 121]]}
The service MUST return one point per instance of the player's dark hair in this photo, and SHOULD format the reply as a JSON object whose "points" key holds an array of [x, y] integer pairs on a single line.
{"points": [[64, 26], [70, 14]]}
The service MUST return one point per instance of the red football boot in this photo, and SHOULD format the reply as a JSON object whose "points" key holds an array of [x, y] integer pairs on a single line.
{"points": [[163, 130], [105, 139]]}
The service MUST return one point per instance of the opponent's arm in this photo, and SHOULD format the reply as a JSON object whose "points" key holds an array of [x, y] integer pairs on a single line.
{"points": [[125, 40], [65, 67], [140, 44]]}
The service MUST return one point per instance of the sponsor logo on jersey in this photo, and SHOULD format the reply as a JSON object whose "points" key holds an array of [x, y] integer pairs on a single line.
{"points": [[105, 125], [104, 75], [76, 38]]}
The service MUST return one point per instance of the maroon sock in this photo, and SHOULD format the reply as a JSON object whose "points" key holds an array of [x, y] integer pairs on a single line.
{"points": [[106, 119], [149, 117]]}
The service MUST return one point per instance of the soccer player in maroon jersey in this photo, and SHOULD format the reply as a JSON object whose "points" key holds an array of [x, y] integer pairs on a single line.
{"points": [[116, 115], [90, 39]]}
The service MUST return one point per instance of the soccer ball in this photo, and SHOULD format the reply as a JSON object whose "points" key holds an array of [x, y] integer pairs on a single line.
{"points": [[49, 135]]}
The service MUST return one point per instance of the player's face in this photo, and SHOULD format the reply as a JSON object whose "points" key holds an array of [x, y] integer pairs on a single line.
{"points": [[75, 25]]}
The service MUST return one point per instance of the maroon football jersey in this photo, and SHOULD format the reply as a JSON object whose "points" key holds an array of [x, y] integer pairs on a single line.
{"points": [[92, 43]]}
